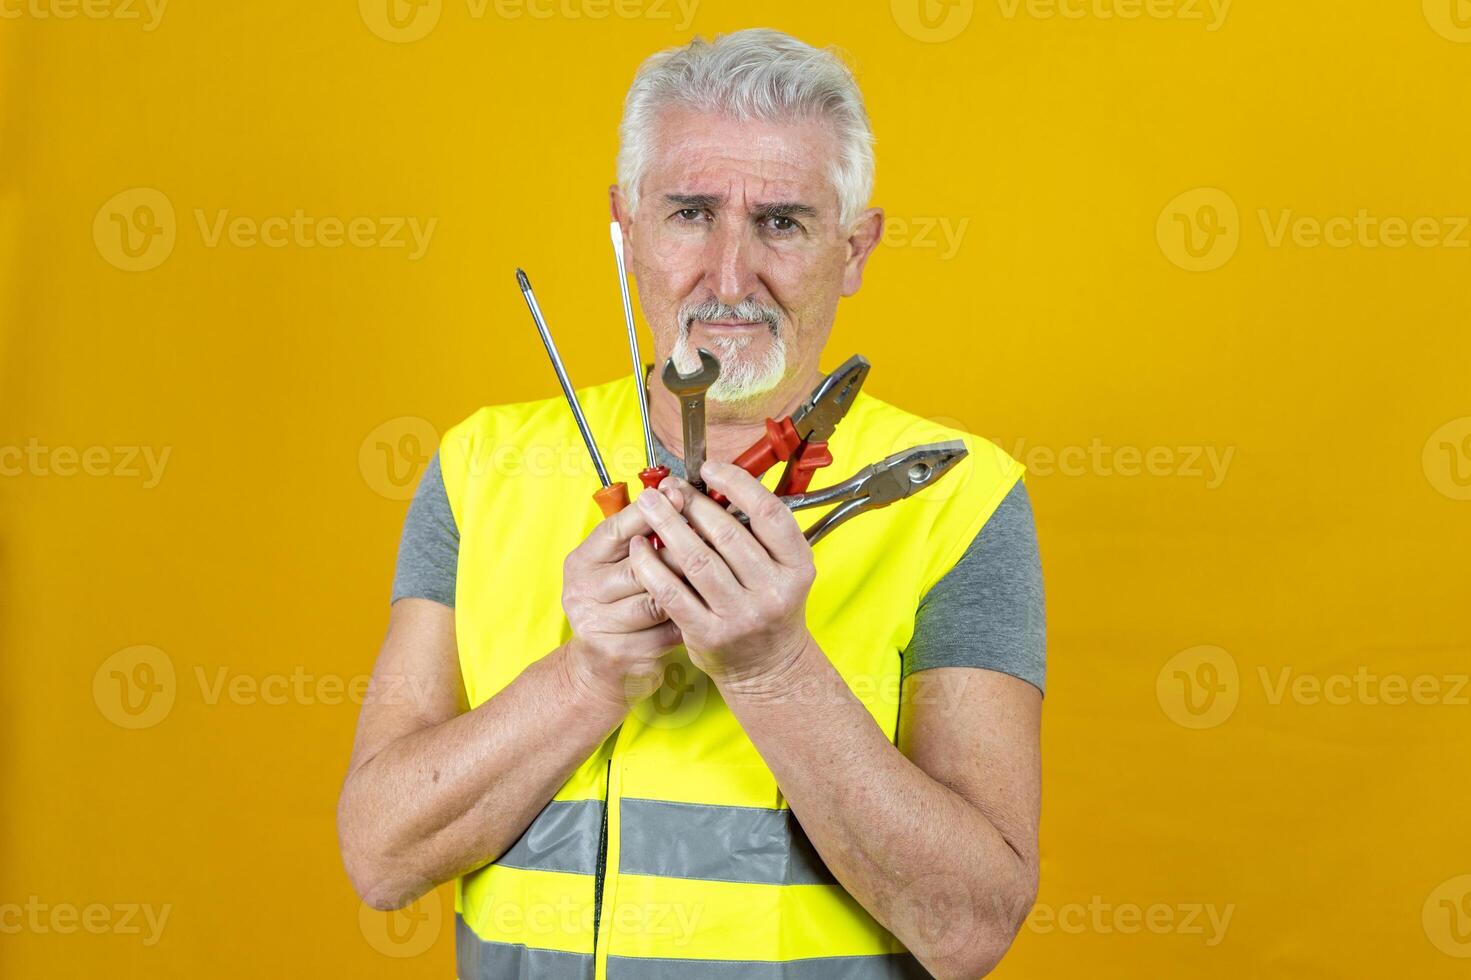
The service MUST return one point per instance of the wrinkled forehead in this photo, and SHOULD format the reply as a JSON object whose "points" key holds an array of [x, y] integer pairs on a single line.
{"points": [[742, 162]]}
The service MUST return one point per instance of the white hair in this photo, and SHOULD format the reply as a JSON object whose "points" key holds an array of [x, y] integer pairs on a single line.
{"points": [[754, 74]]}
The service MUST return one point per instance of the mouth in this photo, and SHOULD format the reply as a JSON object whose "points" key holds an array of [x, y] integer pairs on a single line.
{"points": [[734, 326]]}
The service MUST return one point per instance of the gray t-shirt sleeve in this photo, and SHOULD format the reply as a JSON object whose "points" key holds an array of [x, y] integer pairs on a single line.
{"points": [[429, 550], [988, 610]]}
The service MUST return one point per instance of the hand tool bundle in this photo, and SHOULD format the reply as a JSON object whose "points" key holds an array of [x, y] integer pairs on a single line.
{"points": [[799, 440]]}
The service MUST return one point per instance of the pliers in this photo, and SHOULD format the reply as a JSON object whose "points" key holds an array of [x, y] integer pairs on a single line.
{"points": [[800, 439], [876, 485]]}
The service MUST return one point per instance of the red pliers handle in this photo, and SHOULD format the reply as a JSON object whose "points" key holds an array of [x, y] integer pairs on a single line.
{"points": [[782, 444]]}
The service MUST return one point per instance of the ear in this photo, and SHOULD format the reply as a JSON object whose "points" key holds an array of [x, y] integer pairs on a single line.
{"points": [[864, 237], [618, 207]]}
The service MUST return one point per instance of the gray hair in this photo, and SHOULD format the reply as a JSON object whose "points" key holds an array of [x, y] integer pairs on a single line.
{"points": [[753, 74]]}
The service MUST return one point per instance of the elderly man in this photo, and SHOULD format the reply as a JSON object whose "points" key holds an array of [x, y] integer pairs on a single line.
{"points": [[740, 755]]}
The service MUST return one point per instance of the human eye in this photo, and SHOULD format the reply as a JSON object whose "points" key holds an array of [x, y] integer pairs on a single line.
{"points": [[783, 226]]}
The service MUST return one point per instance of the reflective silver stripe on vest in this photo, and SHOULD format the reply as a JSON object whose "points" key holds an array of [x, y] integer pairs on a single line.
{"points": [[899, 966], [477, 959], [720, 843], [563, 837]]}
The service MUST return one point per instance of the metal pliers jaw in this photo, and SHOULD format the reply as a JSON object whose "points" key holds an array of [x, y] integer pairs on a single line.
{"points": [[877, 485], [817, 417]]}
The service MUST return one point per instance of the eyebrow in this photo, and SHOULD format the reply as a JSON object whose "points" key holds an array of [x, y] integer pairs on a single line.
{"points": [[695, 200], [772, 209]]}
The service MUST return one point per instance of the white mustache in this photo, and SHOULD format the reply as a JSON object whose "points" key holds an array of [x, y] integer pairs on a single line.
{"points": [[747, 309]]}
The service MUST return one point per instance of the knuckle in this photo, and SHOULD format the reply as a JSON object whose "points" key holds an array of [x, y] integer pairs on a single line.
{"points": [[607, 531], [698, 561], [770, 508], [727, 535]]}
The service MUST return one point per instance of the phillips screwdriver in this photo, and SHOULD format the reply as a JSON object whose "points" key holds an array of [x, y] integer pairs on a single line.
{"points": [[613, 497]]}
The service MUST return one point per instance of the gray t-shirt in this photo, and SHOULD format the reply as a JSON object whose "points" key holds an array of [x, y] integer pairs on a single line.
{"points": [[985, 612]]}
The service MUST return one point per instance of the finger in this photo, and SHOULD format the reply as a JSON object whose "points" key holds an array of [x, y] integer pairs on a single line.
{"points": [[704, 568], [673, 596], [745, 556], [613, 582], [771, 522], [608, 542], [630, 614], [661, 638]]}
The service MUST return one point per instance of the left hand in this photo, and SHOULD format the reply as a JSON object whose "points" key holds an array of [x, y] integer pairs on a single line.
{"points": [[742, 608]]}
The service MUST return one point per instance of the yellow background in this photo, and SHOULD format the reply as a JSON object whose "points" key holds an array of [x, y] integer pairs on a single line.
{"points": [[1063, 322]]}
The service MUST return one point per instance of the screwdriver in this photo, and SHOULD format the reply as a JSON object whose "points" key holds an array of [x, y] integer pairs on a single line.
{"points": [[613, 497], [653, 473], [650, 476]]}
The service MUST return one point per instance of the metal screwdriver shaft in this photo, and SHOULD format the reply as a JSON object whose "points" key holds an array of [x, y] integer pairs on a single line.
{"points": [[654, 473], [612, 497], [616, 231]]}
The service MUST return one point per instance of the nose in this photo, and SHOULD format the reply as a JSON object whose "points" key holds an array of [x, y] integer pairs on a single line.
{"points": [[730, 263]]}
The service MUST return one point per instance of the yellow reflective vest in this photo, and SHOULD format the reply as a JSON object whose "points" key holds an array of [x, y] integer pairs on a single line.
{"points": [[670, 853]]}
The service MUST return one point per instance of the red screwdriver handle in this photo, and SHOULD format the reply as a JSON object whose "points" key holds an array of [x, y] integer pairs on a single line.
{"points": [[651, 477]]}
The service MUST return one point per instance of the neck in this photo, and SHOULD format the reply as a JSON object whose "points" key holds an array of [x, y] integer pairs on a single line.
{"points": [[729, 429]]}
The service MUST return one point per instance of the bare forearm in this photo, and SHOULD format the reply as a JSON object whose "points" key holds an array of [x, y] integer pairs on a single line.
{"points": [[446, 799], [902, 843]]}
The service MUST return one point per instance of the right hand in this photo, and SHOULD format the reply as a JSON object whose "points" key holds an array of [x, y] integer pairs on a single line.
{"points": [[618, 630]]}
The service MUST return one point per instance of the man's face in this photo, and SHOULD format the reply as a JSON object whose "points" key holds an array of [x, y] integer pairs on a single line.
{"points": [[737, 248]]}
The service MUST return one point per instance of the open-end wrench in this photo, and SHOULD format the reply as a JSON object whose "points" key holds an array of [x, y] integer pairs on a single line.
{"points": [[690, 390]]}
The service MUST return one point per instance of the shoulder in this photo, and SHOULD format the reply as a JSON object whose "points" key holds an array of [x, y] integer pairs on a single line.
{"points": [[965, 499]]}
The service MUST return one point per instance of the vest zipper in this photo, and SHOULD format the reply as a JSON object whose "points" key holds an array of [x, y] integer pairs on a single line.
{"points": [[602, 866]]}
